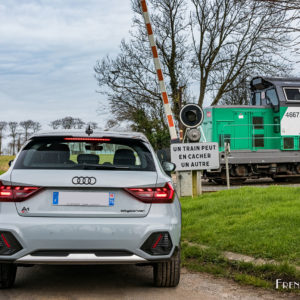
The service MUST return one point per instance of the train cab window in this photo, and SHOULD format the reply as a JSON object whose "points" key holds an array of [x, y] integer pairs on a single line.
{"points": [[256, 100], [258, 122], [272, 96], [288, 143], [259, 140], [292, 94]]}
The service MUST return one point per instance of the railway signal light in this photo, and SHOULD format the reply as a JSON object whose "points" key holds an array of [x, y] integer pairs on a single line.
{"points": [[191, 115]]}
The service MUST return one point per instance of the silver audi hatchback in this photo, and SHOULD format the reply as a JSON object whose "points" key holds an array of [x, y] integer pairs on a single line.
{"points": [[89, 198]]}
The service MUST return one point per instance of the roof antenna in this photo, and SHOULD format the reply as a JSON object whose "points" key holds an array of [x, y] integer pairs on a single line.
{"points": [[89, 130]]}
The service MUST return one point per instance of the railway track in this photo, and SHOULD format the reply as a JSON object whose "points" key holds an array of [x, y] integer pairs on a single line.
{"points": [[208, 186]]}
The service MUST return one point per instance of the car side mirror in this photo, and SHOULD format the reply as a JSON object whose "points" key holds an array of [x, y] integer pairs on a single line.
{"points": [[162, 155], [10, 162], [168, 167]]}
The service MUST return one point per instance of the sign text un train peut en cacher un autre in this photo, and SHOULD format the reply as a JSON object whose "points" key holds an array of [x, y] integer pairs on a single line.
{"points": [[195, 156]]}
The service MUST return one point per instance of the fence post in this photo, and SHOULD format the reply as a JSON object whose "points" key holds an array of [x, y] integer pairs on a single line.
{"points": [[227, 150]]}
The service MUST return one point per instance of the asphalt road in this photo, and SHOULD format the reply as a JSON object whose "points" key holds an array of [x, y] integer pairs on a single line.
{"points": [[124, 282]]}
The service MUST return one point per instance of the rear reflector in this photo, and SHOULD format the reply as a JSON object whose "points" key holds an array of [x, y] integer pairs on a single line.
{"points": [[159, 243], [8, 243], [88, 139], [16, 193], [153, 195]]}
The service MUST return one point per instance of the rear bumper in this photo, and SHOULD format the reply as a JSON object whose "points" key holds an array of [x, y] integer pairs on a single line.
{"points": [[82, 234], [80, 258]]}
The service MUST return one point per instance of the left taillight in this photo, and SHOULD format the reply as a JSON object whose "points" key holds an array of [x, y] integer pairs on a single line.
{"points": [[154, 195], [10, 193]]}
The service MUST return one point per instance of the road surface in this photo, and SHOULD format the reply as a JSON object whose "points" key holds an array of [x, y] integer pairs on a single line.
{"points": [[124, 282]]}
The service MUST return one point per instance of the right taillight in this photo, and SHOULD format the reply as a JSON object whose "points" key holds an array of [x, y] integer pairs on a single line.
{"points": [[153, 195], [10, 193]]}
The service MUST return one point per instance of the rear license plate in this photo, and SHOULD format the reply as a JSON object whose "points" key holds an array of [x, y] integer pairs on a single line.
{"points": [[83, 199]]}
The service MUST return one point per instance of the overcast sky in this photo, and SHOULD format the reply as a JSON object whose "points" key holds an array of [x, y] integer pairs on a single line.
{"points": [[48, 49]]}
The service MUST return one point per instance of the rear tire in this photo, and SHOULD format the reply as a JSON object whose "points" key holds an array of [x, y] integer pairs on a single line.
{"points": [[167, 274], [7, 275]]}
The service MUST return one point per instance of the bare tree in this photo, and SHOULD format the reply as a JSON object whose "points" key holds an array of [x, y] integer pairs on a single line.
{"points": [[55, 124], [78, 123], [13, 126], [19, 141], [70, 122], [3, 126], [27, 125], [240, 95], [230, 41], [67, 123], [36, 127], [283, 4], [134, 93], [235, 38], [93, 125], [10, 148]]}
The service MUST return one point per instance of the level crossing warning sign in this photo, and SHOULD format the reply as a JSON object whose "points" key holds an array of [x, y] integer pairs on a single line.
{"points": [[195, 156]]}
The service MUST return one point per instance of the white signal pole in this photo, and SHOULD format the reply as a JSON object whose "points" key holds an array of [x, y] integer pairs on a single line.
{"points": [[166, 103]]}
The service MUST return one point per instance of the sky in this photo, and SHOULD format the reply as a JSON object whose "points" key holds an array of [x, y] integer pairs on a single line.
{"points": [[48, 49]]}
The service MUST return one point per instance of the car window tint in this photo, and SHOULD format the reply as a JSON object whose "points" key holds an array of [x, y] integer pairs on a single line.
{"points": [[58, 153]]}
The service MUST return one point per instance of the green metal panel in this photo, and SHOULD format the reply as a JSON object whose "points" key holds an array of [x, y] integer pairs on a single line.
{"points": [[245, 127], [207, 125]]}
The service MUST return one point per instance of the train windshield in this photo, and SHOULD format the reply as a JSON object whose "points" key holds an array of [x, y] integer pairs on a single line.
{"points": [[272, 97], [265, 97]]}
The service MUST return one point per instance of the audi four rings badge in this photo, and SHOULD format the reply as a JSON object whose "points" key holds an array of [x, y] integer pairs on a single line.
{"points": [[84, 180]]}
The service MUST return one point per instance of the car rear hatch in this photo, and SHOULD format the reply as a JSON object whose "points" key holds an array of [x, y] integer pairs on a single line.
{"points": [[71, 176], [84, 193]]}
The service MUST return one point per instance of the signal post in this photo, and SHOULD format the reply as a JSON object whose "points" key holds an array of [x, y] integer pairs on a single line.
{"points": [[195, 156]]}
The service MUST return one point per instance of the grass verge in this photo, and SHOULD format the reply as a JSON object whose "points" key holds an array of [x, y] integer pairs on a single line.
{"points": [[260, 222], [210, 261]]}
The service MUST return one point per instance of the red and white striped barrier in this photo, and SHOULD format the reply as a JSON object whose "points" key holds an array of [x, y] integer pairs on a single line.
{"points": [[167, 106]]}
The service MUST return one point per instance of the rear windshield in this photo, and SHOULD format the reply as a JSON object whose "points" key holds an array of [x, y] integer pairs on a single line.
{"points": [[86, 153]]}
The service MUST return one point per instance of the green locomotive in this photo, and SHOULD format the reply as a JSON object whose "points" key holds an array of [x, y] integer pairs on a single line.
{"points": [[264, 137]]}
